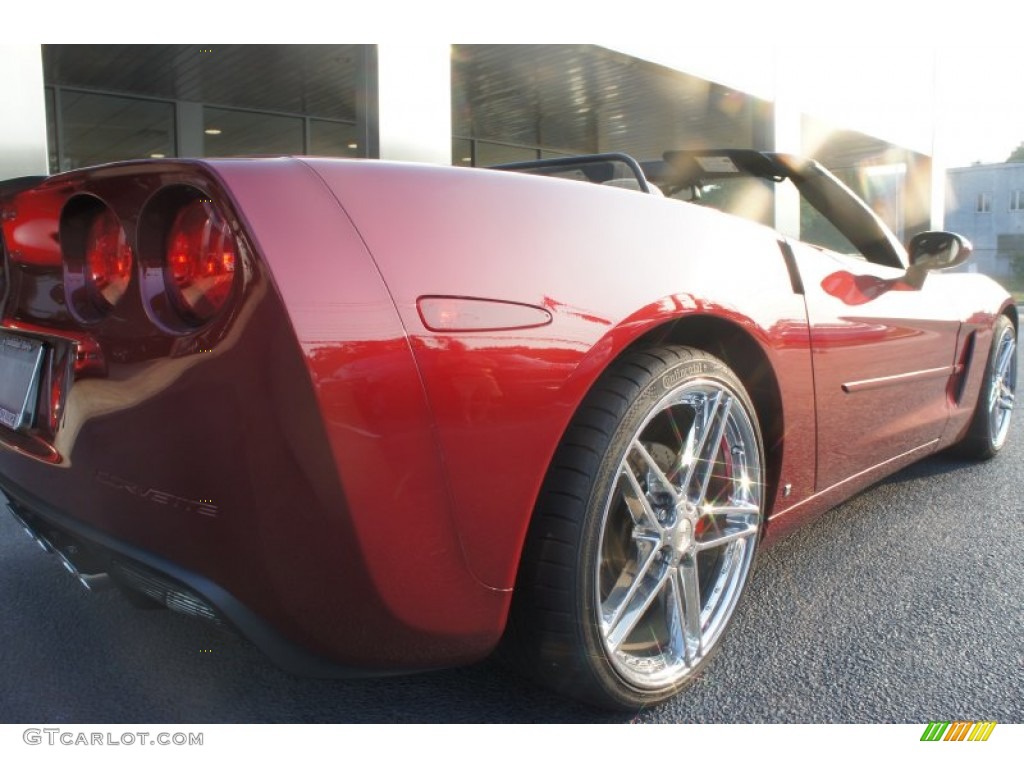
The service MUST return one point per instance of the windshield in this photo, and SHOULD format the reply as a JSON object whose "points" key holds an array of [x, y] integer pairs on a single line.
{"points": [[744, 181], [754, 199]]}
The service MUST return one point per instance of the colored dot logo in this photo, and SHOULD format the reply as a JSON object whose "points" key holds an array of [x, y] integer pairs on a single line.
{"points": [[960, 730]]}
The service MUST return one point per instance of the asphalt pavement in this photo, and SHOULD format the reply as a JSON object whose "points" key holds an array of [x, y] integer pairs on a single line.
{"points": [[905, 604]]}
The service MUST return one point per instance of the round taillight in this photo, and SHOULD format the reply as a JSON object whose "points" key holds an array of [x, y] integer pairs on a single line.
{"points": [[108, 259], [3, 270], [201, 254]]}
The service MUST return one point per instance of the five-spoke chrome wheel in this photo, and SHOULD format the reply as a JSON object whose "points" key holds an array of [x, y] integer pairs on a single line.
{"points": [[645, 531]]}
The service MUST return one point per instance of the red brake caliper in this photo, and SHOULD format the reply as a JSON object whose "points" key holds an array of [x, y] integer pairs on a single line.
{"points": [[719, 488]]}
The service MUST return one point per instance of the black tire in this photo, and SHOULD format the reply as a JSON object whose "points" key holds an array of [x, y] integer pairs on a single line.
{"points": [[990, 424], [623, 593]]}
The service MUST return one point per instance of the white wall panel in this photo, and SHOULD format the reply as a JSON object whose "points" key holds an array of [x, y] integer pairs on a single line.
{"points": [[415, 102], [23, 112]]}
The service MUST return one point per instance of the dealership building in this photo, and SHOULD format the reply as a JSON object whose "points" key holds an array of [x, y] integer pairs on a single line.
{"points": [[71, 106]]}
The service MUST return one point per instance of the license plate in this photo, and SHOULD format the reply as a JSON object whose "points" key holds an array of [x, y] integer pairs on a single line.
{"points": [[20, 362]]}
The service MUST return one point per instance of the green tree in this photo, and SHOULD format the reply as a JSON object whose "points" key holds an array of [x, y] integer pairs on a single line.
{"points": [[1017, 156]]}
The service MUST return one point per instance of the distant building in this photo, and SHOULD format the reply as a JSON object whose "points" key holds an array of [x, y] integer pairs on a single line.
{"points": [[986, 204]]}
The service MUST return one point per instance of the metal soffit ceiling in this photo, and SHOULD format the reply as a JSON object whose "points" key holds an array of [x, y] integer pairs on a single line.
{"points": [[315, 80], [589, 98]]}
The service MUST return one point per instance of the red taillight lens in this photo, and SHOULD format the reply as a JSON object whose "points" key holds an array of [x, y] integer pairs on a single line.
{"points": [[108, 259], [201, 258]]}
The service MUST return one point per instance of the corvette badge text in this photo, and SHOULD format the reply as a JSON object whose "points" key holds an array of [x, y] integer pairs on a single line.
{"points": [[202, 507], [59, 737], [960, 730]]}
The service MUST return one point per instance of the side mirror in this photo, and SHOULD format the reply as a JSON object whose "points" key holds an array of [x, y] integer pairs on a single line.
{"points": [[938, 250], [935, 250]]}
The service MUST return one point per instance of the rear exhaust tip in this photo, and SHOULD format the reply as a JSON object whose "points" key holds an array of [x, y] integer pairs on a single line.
{"points": [[77, 559], [93, 582], [43, 543]]}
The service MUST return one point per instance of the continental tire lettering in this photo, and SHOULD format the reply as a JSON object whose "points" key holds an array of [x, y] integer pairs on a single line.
{"points": [[673, 378]]}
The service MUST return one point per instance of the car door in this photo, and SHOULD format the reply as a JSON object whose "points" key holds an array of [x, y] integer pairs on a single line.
{"points": [[883, 353]]}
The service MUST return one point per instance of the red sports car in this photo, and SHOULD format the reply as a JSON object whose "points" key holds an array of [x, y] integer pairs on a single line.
{"points": [[380, 417]]}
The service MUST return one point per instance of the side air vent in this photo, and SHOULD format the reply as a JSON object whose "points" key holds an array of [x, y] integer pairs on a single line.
{"points": [[963, 367]]}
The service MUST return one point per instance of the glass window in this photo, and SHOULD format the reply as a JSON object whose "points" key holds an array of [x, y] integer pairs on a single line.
{"points": [[490, 153], [229, 132], [817, 230], [263, 99], [98, 128], [984, 204], [882, 187], [576, 99], [328, 138], [1017, 200], [752, 199], [549, 153], [51, 130], [894, 181], [462, 152]]}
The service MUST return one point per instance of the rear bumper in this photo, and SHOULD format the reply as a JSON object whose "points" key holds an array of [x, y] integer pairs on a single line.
{"points": [[96, 554], [267, 511]]}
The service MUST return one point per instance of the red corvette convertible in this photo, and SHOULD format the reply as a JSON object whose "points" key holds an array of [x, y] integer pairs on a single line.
{"points": [[380, 417]]}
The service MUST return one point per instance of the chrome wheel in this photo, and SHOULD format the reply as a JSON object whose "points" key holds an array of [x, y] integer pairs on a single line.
{"points": [[644, 533], [678, 533], [990, 423], [1002, 386]]}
